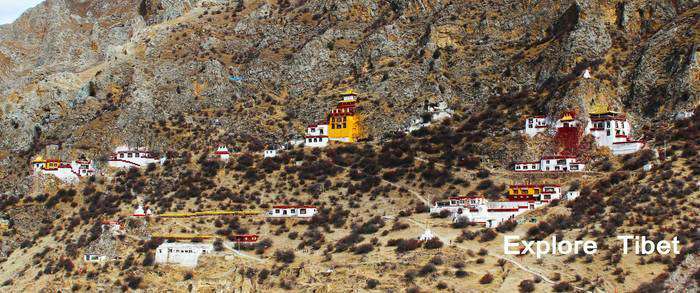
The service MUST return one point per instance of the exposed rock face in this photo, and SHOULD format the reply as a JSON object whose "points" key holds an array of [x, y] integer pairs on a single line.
{"points": [[156, 11], [89, 74]]}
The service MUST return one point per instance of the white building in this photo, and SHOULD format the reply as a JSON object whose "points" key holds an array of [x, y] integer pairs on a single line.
{"points": [[271, 153], [183, 254], [572, 194], [91, 257], [299, 211], [561, 164], [127, 157], [316, 135], [551, 164], [521, 198], [681, 115], [535, 125], [527, 166], [66, 172], [223, 153], [611, 129], [493, 213], [457, 203]]}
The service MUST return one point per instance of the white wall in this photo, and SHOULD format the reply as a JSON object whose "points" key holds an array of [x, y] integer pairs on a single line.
{"points": [[184, 254]]}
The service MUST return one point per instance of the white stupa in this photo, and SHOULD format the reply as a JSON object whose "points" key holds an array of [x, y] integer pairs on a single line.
{"points": [[139, 212], [427, 235], [587, 74]]}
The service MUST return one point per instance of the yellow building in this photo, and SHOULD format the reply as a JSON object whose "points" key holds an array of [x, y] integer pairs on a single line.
{"points": [[344, 123], [530, 192], [46, 164]]}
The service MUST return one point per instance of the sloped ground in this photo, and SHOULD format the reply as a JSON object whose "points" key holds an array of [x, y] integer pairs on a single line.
{"points": [[168, 86]]}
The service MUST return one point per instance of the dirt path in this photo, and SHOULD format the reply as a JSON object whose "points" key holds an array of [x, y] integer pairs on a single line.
{"points": [[227, 245], [491, 253]]}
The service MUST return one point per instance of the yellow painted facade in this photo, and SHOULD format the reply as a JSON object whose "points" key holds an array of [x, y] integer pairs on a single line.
{"points": [[48, 164], [344, 123], [520, 190], [344, 128]]}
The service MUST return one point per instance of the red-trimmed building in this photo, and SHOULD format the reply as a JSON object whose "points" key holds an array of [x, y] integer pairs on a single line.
{"points": [[559, 163], [316, 134], [534, 192], [128, 157], [611, 129], [535, 125], [292, 211], [223, 153], [248, 238]]}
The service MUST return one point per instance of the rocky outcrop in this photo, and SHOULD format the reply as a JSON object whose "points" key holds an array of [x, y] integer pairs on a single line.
{"points": [[87, 75]]}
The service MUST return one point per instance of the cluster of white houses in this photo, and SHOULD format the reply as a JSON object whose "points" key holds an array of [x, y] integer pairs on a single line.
{"points": [[521, 198], [123, 157], [187, 254], [69, 172], [132, 157], [559, 163], [609, 129]]}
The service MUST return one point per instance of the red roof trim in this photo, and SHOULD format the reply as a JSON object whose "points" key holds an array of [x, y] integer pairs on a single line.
{"points": [[124, 161], [464, 197], [534, 185], [602, 119], [558, 157], [503, 210], [294, 207]]}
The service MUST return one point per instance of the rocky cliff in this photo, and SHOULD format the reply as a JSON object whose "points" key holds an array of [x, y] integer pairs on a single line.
{"points": [[89, 74]]}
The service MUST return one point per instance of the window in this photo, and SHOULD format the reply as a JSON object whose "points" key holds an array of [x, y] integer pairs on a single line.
{"points": [[293, 211], [320, 130], [277, 211], [302, 211], [284, 212], [607, 124], [121, 155], [517, 167], [130, 155], [607, 132]]}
